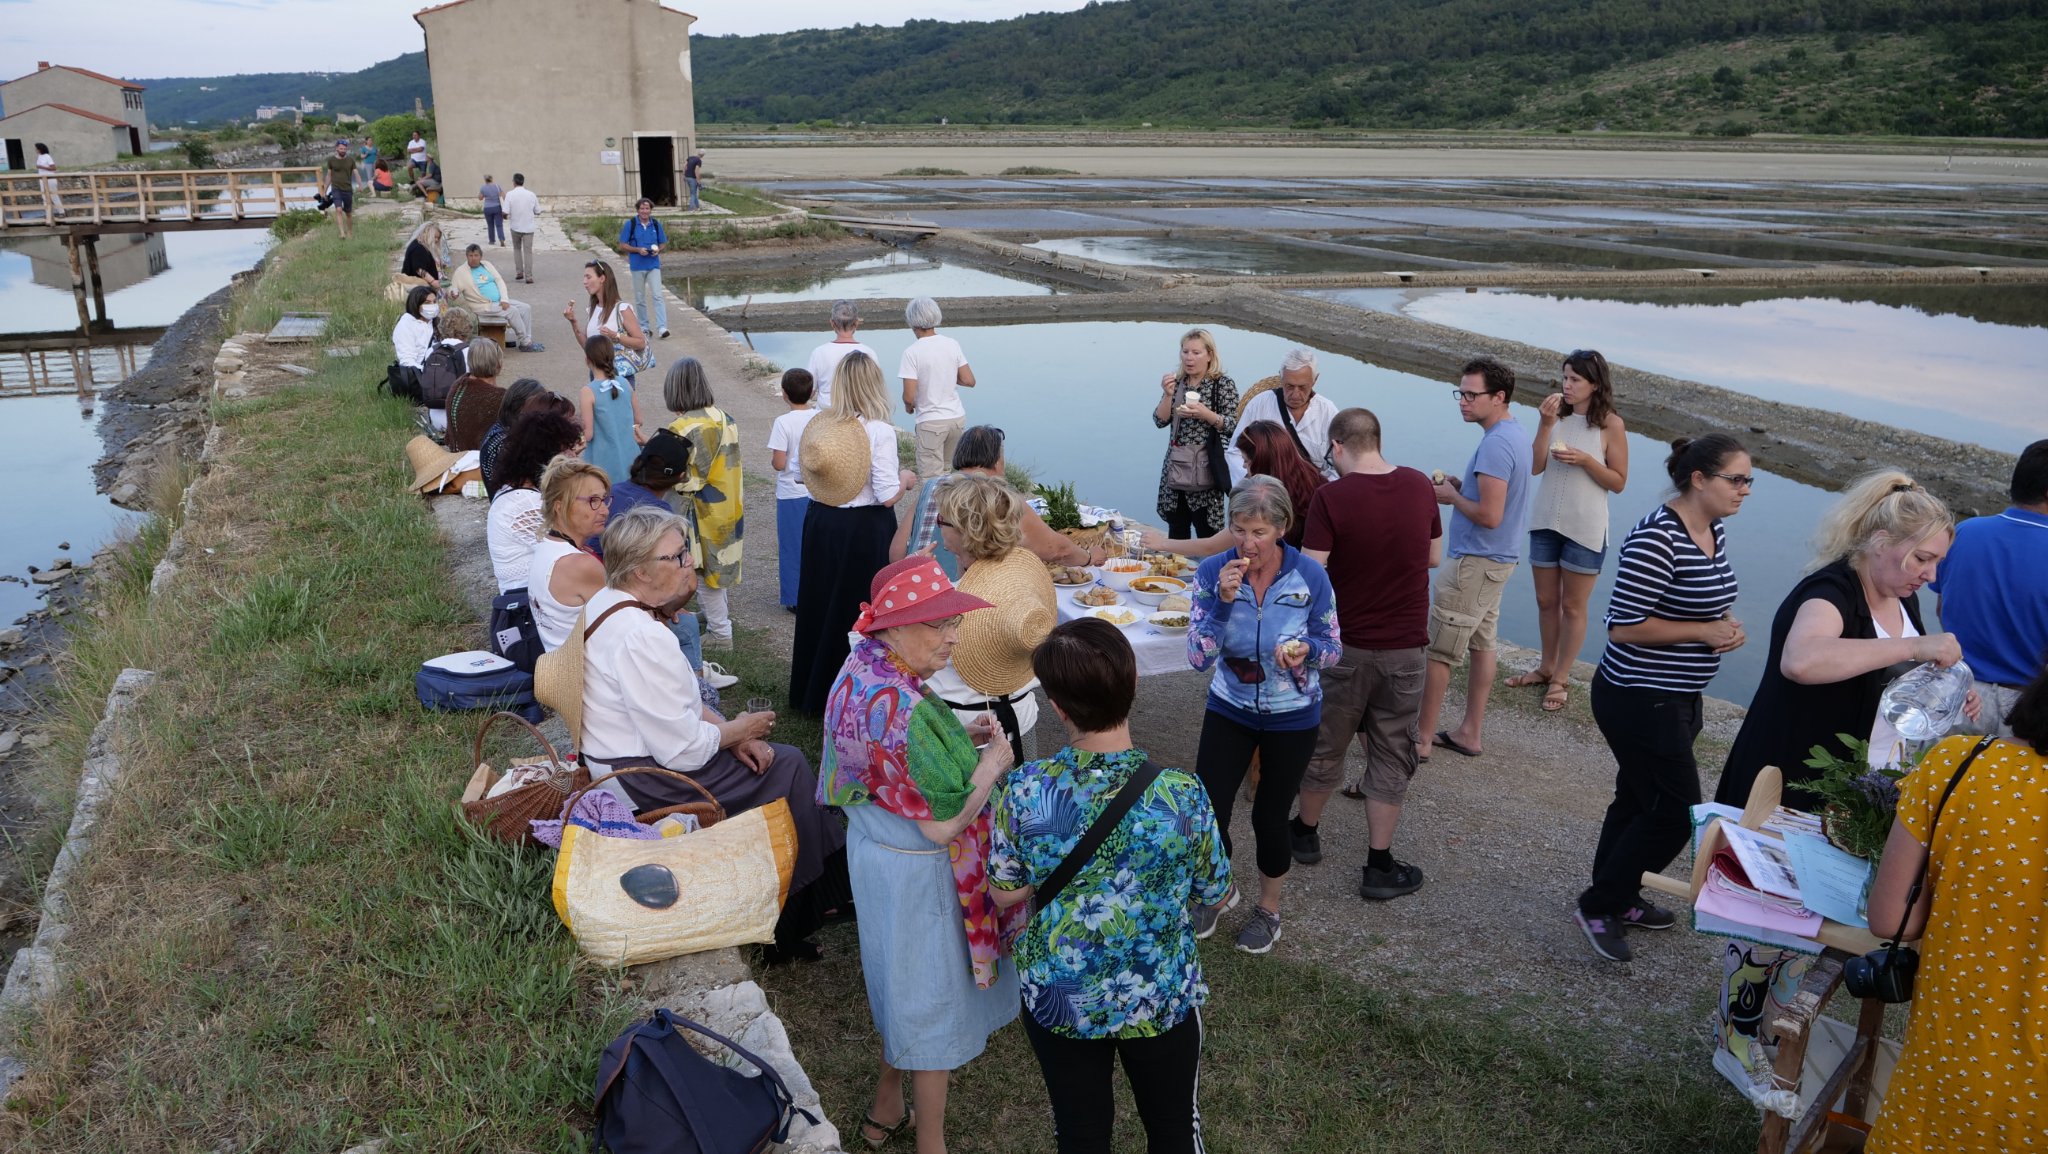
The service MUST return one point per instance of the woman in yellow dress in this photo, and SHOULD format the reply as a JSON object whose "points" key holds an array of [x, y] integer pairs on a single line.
{"points": [[710, 494], [1974, 1075]]}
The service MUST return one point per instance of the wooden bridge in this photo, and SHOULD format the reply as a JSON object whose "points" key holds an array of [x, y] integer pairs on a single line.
{"points": [[169, 200], [42, 364]]}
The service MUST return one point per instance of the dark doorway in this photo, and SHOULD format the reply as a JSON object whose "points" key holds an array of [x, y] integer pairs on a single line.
{"points": [[134, 141], [16, 161], [658, 169]]}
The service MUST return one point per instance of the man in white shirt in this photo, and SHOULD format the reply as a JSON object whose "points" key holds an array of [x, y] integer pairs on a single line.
{"points": [[826, 357], [1293, 405], [521, 210], [934, 370]]}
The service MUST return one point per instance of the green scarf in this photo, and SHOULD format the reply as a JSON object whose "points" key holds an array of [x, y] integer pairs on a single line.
{"points": [[941, 757]]}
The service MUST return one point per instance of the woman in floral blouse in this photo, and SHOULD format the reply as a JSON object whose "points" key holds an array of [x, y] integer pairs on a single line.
{"points": [[1109, 968], [915, 793]]}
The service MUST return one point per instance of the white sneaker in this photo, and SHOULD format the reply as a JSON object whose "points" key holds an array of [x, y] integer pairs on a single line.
{"points": [[717, 678]]}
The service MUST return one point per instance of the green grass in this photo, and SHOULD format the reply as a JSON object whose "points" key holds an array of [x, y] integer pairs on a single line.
{"points": [[739, 200], [1036, 170], [926, 170], [1299, 1059], [296, 945], [697, 234]]}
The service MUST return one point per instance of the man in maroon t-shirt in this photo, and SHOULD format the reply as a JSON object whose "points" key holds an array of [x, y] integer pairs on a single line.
{"points": [[1376, 530]]}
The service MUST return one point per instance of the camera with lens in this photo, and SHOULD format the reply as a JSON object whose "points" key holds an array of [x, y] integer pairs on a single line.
{"points": [[1885, 974]]}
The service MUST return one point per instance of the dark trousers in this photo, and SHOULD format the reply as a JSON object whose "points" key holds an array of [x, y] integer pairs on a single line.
{"points": [[1186, 522], [1656, 784], [494, 225], [1221, 761], [1164, 1073]]}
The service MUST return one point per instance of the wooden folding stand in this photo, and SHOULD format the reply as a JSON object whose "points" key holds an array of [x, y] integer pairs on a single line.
{"points": [[1811, 1131]]}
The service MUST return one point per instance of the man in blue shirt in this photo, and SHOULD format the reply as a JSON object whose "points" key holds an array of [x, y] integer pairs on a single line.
{"points": [[1482, 544], [1994, 592], [642, 238]]}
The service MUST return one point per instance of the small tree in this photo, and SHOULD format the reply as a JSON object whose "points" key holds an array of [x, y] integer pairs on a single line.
{"points": [[198, 154], [392, 132]]}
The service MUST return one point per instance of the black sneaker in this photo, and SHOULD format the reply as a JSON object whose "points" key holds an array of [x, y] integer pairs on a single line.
{"points": [[1381, 885], [1308, 847], [1605, 936], [1644, 916]]}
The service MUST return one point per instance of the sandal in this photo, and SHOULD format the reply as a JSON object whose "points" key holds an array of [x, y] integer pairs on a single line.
{"points": [[1556, 697], [887, 1132], [1524, 680]]}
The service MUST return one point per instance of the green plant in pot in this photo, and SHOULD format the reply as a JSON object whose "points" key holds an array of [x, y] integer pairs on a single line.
{"points": [[1858, 802], [1062, 508]]}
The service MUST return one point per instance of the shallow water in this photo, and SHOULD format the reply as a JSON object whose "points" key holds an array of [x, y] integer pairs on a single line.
{"points": [[1075, 401], [1892, 360], [47, 448], [895, 274], [1211, 255]]}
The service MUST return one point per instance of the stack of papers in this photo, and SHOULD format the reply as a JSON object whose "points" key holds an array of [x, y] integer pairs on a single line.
{"points": [[1776, 885]]}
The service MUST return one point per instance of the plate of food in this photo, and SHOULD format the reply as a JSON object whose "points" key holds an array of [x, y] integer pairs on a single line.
{"points": [[1116, 616], [1176, 603], [1117, 572], [1153, 590], [1098, 597], [1070, 576], [1171, 622], [1170, 565]]}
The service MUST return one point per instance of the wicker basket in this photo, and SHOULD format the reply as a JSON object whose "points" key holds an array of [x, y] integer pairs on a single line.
{"points": [[505, 817]]}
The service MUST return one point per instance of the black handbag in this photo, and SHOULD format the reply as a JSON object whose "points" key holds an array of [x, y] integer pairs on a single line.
{"points": [[657, 1095]]}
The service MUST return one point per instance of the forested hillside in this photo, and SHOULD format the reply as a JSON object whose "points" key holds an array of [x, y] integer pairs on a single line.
{"points": [[1961, 67], [380, 90]]}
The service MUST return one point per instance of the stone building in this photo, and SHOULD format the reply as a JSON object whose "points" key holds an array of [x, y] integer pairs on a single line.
{"points": [[85, 117], [591, 100]]}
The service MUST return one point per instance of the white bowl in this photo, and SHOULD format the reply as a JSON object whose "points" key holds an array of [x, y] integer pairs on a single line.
{"points": [[1157, 622], [1168, 586], [1120, 579], [1117, 615]]}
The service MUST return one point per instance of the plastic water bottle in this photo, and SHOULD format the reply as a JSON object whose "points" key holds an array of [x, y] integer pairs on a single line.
{"points": [[1926, 701]]}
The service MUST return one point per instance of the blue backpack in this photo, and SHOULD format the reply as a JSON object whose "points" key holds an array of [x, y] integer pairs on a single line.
{"points": [[658, 1095], [476, 680]]}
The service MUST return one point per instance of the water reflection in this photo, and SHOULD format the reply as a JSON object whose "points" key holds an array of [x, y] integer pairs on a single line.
{"points": [[1076, 401], [46, 454], [895, 274], [148, 280], [1226, 256]]}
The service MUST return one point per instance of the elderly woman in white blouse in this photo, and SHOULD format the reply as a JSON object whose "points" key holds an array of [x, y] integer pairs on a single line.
{"points": [[641, 706]]}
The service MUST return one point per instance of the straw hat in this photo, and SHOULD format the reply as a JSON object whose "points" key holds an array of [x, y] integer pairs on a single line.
{"points": [[994, 651], [835, 455], [430, 462], [558, 681], [1262, 385]]}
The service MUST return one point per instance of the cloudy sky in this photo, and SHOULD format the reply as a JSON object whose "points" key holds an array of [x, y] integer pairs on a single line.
{"points": [[215, 37]]}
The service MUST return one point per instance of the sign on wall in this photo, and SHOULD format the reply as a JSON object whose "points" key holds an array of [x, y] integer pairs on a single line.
{"points": [[608, 156]]}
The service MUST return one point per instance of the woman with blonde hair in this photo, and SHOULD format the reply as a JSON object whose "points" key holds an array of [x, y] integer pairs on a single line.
{"points": [[710, 493], [1850, 626], [575, 501], [981, 520], [849, 460], [1198, 403], [422, 262]]}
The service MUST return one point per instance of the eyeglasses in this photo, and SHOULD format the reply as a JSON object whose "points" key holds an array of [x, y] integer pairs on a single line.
{"points": [[1739, 480], [1464, 397], [678, 558], [944, 624], [597, 500]]}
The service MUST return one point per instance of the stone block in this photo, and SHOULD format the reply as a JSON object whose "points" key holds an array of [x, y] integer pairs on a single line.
{"points": [[667, 982]]}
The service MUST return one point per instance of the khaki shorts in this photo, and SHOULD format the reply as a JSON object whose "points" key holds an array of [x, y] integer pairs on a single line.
{"points": [[936, 441], [1465, 611], [1375, 694]]}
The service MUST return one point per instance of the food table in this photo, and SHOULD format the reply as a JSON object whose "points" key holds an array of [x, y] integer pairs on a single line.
{"points": [[1159, 650]]}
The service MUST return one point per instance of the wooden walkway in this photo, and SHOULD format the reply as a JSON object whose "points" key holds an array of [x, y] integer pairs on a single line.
{"points": [[176, 200]]}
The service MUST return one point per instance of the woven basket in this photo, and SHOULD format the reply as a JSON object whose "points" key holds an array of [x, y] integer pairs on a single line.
{"points": [[707, 812], [505, 817]]}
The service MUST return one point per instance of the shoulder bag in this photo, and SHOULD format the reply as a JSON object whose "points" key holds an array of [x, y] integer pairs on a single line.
{"points": [[657, 1095], [1141, 779]]}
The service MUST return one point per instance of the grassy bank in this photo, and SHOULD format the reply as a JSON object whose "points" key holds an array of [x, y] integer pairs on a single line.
{"points": [[695, 233], [293, 945]]}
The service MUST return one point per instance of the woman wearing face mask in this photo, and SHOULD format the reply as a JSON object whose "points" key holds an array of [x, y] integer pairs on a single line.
{"points": [[413, 336], [1265, 619], [1845, 631]]}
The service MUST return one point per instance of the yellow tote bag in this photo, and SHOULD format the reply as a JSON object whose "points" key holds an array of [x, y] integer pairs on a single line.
{"points": [[629, 902]]}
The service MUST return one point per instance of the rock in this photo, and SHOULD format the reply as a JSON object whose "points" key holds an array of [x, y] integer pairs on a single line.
{"points": [[297, 370], [35, 740], [50, 578], [7, 672], [125, 496], [9, 637], [63, 544], [60, 563], [236, 393], [9, 740]]}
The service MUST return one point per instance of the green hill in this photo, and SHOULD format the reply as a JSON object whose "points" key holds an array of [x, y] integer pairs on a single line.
{"points": [[379, 90], [1943, 67]]}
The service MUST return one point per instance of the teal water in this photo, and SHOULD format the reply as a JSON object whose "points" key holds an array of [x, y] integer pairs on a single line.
{"points": [[1075, 401]]}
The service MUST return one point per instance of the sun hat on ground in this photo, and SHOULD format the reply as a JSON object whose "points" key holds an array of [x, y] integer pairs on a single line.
{"points": [[994, 652], [435, 467], [835, 455], [912, 590], [558, 681]]}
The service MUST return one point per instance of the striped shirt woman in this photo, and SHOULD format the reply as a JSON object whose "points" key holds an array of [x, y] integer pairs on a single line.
{"points": [[1667, 626]]}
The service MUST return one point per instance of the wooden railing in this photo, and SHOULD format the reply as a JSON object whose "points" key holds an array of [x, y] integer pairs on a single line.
{"points": [[42, 372], [181, 197]]}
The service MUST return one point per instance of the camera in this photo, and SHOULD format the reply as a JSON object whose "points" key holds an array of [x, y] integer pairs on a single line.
{"points": [[1885, 974], [323, 202]]}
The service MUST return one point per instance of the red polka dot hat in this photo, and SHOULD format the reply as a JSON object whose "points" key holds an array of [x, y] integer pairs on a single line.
{"points": [[912, 590]]}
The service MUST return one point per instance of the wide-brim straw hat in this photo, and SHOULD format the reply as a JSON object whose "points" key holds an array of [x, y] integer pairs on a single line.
{"points": [[835, 456], [558, 681], [994, 651], [1262, 385], [430, 462]]}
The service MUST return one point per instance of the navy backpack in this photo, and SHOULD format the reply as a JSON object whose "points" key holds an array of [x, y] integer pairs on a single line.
{"points": [[657, 1095], [476, 680]]}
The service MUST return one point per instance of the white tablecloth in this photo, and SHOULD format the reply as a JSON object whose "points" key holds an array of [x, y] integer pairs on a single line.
{"points": [[1159, 650]]}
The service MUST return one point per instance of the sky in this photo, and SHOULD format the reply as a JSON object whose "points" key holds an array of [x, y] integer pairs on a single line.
{"points": [[145, 38]]}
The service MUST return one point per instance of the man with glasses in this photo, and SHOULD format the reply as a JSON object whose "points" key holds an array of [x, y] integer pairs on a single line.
{"points": [[1293, 406], [1482, 545]]}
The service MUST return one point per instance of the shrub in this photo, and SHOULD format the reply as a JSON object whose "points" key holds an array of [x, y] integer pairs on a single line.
{"points": [[392, 132], [297, 222], [198, 154]]}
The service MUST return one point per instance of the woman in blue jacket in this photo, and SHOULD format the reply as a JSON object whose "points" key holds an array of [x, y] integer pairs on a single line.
{"points": [[1265, 619]]}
